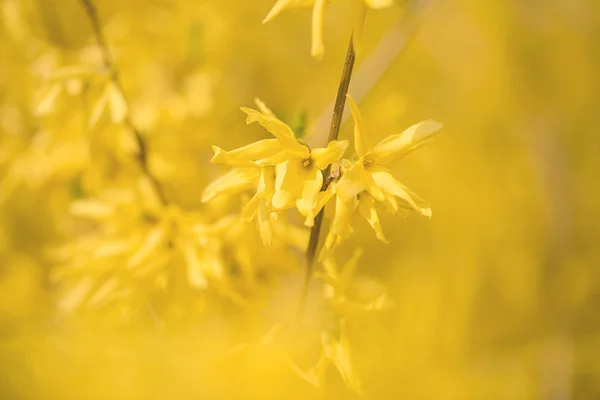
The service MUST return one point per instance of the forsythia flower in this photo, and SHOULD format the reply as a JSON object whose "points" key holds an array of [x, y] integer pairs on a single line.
{"points": [[285, 172], [318, 17], [139, 240], [348, 294], [367, 181]]}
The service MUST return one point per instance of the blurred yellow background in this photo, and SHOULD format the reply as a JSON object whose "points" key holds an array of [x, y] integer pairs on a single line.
{"points": [[496, 297]]}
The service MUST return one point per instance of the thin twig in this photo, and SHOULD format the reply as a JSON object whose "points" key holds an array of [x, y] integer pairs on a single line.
{"points": [[374, 66], [334, 131], [109, 64]]}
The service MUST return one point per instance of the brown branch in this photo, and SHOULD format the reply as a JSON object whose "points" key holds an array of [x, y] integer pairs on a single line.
{"points": [[334, 132], [109, 64], [375, 64]]}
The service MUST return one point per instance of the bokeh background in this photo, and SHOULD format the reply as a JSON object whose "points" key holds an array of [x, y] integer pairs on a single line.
{"points": [[496, 297]]}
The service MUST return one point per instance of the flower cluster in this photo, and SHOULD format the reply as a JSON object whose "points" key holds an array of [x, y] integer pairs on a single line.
{"points": [[287, 174], [367, 183]]}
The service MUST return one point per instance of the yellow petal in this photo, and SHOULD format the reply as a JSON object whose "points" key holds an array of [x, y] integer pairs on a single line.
{"points": [[279, 7], [321, 200], [318, 21], [360, 141], [118, 104], [316, 375], [332, 153], [76, 295], [262, 107], [264, 224], [342, 220], [151, 242], [289, 184], [104, 293], [247, 155], [48, 101], [349, 269], [236, 180], [250, 209], [98, 108], [195, 271], [272, 161], [372, 187], [355, 181], [281, 131], [351, 183], [378, 4], [390, 185], [331, 242], [312, 186], [340, 355], [266, 184], [366, 207], [149, 195], [112, 248], [414, 137], [93, 209]]}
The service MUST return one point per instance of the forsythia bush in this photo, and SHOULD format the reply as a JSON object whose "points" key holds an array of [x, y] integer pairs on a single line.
{"points": [[154, 246]]}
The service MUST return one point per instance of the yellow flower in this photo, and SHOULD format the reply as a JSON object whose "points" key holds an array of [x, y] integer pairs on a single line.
{"points": [[368, 182], [318, 17], [137, 239], [370, 172], [352, 295], [287, 173]]}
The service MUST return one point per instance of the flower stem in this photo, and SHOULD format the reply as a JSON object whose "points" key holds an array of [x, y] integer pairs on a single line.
{"points": [[109, 64], [334, 131]]}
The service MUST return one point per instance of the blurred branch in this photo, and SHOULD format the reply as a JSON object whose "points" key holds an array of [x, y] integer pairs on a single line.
{"points": [[374, 66], [113, 72]]}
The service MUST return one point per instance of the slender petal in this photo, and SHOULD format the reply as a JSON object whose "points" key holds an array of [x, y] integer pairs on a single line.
{"points": [[312, 186], [349, 270], [264, 224], [245, 156], [89, 208], [390, 185], [236, 180], [118, 104], [273, 160], [342, 221], [266, 184], [351, 183], [366, 207], [360, 141], [378, 4], [333, 152], [195, 270], [372, 187], [251, 208], [396, 146], [262, 107], [340, 355], [355, 181], [151, 242], [280, 6], [289, 183], [281, 131], [318, 21], [331, 242]]}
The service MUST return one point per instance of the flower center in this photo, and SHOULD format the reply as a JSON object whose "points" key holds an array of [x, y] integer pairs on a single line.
{"points": [[307, 163], [368, 161]]}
